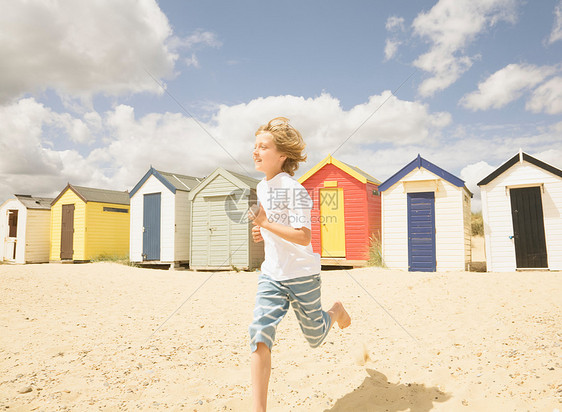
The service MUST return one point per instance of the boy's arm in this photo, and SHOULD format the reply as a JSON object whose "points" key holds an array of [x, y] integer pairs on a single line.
{"points": [[300, 236]]}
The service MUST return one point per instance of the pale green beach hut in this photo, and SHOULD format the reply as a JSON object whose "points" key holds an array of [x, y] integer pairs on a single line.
{"points": [[220, 231]]}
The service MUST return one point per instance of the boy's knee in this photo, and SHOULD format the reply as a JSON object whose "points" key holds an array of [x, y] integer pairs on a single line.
{"points": [[261, 346], [260, 349]]}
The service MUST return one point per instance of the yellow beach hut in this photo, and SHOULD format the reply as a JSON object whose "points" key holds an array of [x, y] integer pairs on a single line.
{"points": [[87, 223]]}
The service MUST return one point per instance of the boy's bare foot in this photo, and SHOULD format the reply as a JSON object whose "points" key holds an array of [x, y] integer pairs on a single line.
{"points": [[340, 315]]}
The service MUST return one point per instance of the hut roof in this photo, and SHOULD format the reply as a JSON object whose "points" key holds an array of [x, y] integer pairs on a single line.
{"points": [[173, 181], [89, 194], [420, 162], [34, 202], [362, 173], [519, 157], [250, 181], [236, 179], [351, 170], [181, 182]]}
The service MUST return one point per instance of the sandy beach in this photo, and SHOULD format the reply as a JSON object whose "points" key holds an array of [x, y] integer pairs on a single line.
{"points": [[87, 337]]}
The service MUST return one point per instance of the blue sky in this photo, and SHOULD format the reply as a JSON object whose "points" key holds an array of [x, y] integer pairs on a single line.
{"points": [[465, 83]]}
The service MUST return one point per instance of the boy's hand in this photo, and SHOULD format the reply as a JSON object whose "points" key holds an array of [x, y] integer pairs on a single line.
{"points": [[256, 234], [258, 218]]}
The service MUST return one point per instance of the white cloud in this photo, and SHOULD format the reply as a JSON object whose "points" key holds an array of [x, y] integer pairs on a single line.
{"points": [[391, 138], [506, 85], [29, 163], [551, 156], [198, 38], [20, 139], [556, 33], [93, 120], [450, 26], [26, 138], [394, 23], [557, 128], [192, 61], [80, 49], [77, 130], [547, 97], [172, 141], [324, 124], [390, 48], [472, 174], [168, 141]]}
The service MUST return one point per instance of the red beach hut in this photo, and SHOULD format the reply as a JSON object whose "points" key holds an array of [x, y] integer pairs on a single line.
{"points": [[346, 211]]}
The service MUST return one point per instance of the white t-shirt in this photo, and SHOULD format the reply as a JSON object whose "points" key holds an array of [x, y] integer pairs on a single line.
{"points": [[287, 202]]}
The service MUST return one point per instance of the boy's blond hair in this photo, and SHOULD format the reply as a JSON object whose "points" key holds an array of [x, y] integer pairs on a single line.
{"points": [[288, 141]]}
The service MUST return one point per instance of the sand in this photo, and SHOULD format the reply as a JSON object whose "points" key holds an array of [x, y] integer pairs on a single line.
{"points": [[86, 337]]}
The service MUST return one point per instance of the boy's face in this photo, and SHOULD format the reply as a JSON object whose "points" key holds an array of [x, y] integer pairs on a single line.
{"points": [[267, 158]]}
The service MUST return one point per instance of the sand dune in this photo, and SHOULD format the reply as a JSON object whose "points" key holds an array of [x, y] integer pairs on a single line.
{"points": [[84, 337]]}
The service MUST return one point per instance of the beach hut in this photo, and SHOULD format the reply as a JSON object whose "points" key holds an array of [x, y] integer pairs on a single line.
{"points": [[522, 213], [24, 229], [220, 231], [346, 211], [160, 213], [426, 219], [88, 223]]}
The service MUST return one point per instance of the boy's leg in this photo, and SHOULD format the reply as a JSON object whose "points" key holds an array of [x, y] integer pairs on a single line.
{"points": [[306, 300], [340, 315], [261, 370], [271, 306]]}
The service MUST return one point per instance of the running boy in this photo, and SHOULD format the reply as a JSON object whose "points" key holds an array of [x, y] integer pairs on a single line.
{"points": [[290, 272]]}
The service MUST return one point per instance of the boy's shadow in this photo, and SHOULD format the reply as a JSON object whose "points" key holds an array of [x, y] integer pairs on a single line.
{"points": [[377, 394]]}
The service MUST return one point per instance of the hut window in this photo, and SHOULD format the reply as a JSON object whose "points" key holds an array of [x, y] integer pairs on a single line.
{"points": [[115, 209], [376, 193]]}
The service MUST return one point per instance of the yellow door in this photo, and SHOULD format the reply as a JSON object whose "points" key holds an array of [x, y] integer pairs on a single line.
{"points": [[332, 225]]}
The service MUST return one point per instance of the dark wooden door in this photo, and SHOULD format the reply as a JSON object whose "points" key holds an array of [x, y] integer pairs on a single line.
{"points": [[421, 232], [528, 227], [13, 223], [11, 241], [67, 232]]}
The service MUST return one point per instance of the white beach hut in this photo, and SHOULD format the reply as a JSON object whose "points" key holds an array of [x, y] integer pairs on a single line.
{"points": [[522, 213], [25, 229], [425, 219], [160, 214]]}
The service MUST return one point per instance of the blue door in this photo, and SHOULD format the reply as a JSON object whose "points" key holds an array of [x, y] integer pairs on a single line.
{"points": [[151, 227], [421, 232]]}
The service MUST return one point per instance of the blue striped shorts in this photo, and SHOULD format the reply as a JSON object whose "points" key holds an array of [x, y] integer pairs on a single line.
{"points": [[272, 303]]}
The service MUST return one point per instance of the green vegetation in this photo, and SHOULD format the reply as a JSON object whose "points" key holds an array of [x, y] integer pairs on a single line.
{"points": [[477, 224], [375, 252], [121, 259]]}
